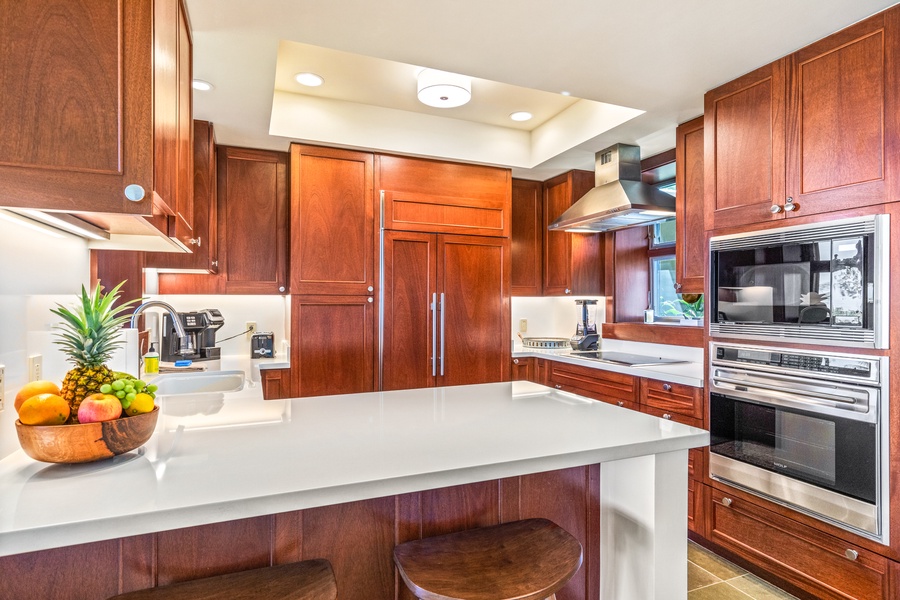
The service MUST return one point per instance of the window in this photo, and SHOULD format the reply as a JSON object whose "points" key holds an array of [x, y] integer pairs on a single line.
{"points": [[667, 304]]}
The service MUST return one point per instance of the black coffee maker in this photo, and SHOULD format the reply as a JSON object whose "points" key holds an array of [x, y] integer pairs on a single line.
{"points": [[586, 336], [200, 327]]}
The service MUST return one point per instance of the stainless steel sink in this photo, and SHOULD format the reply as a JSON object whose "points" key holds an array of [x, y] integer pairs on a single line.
{"points": [[171, 384]]}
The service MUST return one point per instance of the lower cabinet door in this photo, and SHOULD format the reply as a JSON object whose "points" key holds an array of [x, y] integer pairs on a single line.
{"points": [[332, 345], [276, 383], [823, 565]]}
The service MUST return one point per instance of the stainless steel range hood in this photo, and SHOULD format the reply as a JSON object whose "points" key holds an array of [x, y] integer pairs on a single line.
{"points": [[620, 199]]}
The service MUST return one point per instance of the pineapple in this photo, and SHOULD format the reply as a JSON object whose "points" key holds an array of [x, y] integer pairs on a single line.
{"points": [[88, 335]]}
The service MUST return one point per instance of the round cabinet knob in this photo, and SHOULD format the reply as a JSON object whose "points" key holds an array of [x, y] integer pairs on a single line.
{"points": [[791, 206], [677, 286], [620, 403], [667, 387], [559, 387], [775, 209], [215, 263], [370, 300], [568, 291], [195, 241], [370, 288], [667, 416], [726, 501], [515, 361], [281, 288], [851, 553], [134, 192]]}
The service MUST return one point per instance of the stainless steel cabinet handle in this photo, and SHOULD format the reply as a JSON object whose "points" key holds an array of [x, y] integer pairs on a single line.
{"points": [[433, 335], [851, 553], [134, 192], [515, 361], [775, 209], [667, 416], [667, 387], [726, 501], [195, 241], [443, 311]]}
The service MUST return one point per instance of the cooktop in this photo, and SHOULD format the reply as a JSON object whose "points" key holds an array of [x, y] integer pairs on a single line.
{"points": [[624, 358]]}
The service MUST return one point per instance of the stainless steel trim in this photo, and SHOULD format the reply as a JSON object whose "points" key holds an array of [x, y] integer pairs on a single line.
{"points": [[795, 234], [848, 513], [443, 310], [801, 334], [433, 335], [785, 373], [381, 295]]}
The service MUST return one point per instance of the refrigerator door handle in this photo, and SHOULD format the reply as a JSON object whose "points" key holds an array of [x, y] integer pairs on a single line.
{"points": [[443, 307], [433, 335]]}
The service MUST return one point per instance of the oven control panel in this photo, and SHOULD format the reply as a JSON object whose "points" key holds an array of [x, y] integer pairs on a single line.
{"points": [[852, 366]]}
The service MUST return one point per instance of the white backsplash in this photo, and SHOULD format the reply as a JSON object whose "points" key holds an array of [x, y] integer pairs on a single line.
{"points": [[551, 316]]}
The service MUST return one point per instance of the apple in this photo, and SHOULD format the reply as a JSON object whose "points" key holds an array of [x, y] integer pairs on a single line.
{"points": [[99, 407]]}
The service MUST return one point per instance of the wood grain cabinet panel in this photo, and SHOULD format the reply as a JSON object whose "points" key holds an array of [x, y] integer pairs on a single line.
{"points": [[332, 345], [527, 238], [333, 227], [276, 383], [820, 564], [606, 386], [690, 237], [522, 369], [252, 220], [117, 113], [573, 263], [672, 397]]}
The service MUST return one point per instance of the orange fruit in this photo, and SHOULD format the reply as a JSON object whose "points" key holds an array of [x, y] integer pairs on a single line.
{"points": [[33, 388], [44, 409]]}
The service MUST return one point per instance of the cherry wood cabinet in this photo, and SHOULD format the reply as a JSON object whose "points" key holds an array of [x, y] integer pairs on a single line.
{"points": [[446, 310], [527, 238], [815, 132], [119, 117], [333, 227], [432, 196], [673, 397], [276, 383], [607, 386], [690, 237], [573, 263], [332, 345], [252, 220], [522, 369], [821, 565], [204, 244]]}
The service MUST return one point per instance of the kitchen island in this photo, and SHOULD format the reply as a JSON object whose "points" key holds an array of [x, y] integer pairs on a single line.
{"points": [[229, 482]]}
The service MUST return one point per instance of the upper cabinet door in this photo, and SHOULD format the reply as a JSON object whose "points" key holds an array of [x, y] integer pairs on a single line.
{"points": [[527, 236], [744, 148], [690, 237], [77, 105], [333, 224], [842, 120]]}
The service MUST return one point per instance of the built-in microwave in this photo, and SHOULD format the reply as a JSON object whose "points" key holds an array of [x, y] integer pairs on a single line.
{"points": [[822, 283]]}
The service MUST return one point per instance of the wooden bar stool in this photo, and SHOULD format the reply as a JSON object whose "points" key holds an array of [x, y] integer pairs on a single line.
{"points": [[307, 580], [522, 560]]}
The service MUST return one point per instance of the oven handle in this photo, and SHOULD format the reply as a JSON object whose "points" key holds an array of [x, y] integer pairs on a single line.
{"points": [[777, 388]]}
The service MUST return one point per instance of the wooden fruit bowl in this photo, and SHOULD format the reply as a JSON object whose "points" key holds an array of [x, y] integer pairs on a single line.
{"points": [[86, 442]]}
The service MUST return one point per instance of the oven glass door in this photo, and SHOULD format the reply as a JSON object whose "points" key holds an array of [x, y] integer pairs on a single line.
{"points": [[831, 452], [823, 282]]}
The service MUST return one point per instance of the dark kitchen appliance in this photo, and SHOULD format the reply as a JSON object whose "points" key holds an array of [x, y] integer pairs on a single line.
{"points": [[200, 327], [586, 336], [804, 429], [625, 358], [822, 283], [262, 345]]}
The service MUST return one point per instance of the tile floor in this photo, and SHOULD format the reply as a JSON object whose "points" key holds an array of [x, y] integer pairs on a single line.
{"points": [[711, 577]]}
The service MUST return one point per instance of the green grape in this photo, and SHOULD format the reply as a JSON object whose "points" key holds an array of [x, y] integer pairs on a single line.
{"points": [[118, 384], [125, 403], [152, 388], [105, 388], [130, 396], [120, 394], [139, 385], [129, 389]]}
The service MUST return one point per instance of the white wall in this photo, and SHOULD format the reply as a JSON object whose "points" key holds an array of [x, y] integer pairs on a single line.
{"points": [[553, 316]]}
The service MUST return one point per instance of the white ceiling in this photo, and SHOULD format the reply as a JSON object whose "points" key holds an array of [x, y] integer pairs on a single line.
{"points": [[655, 56]]}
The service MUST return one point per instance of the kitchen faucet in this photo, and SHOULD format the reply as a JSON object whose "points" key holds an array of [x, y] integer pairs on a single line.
{"points": [[186, 345]]}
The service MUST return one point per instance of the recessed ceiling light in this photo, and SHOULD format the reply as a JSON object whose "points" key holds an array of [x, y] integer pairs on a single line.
{"points": [[441, 89], [203, 86], [521, 115], [309, 79], [564, 93]]}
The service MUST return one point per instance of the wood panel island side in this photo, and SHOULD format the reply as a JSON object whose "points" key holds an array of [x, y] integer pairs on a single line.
{"points": [[231, 482]]}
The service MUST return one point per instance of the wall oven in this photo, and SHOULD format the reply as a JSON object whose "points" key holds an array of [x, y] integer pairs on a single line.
{"points": [[821, 283], [805, 429]]}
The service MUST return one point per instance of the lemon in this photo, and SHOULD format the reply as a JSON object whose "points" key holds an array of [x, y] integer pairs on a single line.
{"points": [[142, 403]]}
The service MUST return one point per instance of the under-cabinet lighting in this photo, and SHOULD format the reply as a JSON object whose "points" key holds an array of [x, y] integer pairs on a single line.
{"points": [[658, 213], [580, 230], [65, 222], [28, 223]]}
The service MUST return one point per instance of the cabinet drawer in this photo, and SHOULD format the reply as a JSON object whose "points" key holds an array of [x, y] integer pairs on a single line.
{"points": [[812, 560], [595, 383], [672, 397]]}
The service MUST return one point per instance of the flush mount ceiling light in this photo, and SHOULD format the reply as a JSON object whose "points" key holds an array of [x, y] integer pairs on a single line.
{"points": [[309, 79], [203, 86], [522, 115], [442, 89]]}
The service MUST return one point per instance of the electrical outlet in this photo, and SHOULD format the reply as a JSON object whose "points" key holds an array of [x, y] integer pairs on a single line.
{"points": [[523, 325], [251, 328], [2, 386], [35, 367]]}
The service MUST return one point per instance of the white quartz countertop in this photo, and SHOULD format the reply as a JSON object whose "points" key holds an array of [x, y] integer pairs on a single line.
{"points": [[219, 457], [688, 373]]}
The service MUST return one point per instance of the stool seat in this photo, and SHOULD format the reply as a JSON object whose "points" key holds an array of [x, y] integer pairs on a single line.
{"points": [[521, 560], [307, 580]]}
